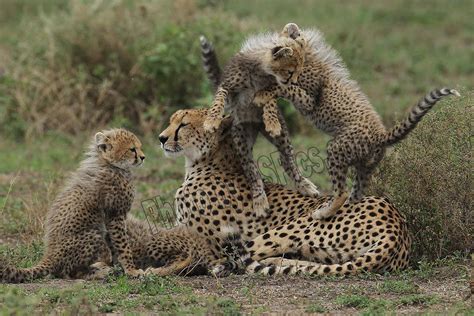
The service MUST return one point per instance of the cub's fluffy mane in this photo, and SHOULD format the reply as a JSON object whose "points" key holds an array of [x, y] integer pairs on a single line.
{"points": [[318, 48], [90, 166]]}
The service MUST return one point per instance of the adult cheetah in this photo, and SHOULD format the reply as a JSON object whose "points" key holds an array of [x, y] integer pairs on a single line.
{"points": [[368, 235]]}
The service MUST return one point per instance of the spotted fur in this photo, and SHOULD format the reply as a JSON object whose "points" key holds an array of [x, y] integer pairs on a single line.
{"points": [[326, 96], [368, 235], [251, 70], [93, 205]]}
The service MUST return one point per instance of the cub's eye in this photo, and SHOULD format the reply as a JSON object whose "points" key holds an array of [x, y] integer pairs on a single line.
{"points": [[183, 124], [133, 150]]}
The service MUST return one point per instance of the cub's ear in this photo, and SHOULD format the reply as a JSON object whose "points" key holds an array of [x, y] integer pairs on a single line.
{"points": [[100, 140], [279, 52], [291, 30]]}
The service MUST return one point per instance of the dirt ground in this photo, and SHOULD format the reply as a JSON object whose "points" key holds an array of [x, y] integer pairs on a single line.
{"points": [[443, 290]]}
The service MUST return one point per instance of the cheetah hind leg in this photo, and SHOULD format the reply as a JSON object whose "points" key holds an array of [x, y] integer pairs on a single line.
{"points": [[306, 187]]}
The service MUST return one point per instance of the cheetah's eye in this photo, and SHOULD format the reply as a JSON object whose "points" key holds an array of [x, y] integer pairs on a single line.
{"points": [[133, 150]]}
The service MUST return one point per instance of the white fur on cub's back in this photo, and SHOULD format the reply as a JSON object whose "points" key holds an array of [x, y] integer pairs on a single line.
{"points": [[260, 42], [317, 47]]}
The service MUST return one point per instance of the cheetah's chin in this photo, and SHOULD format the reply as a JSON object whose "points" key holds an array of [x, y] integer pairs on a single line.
{"points": [[172, 153]]}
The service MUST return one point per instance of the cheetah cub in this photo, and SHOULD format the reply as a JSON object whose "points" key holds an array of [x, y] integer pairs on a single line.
{"points": [[263, 61], [334, 103], [94, 202]]}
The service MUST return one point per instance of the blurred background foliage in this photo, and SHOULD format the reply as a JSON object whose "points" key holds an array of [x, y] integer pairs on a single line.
{"points": [[68, 68]]}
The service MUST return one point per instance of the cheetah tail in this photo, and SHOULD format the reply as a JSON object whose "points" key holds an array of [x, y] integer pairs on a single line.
{"points": [[210, 62], [10, 274], [370, 261], [401, 130]]}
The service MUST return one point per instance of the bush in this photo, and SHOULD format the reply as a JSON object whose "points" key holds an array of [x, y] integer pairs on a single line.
{"points": [[101, 62], [429, 177]]}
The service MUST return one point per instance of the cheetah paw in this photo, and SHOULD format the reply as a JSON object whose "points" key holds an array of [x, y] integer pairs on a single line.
{"points": [[308, 188], [274, 129], [323, 211], [211, 124], [260, 205], [220, 271], [328, 209], [134, 273]]}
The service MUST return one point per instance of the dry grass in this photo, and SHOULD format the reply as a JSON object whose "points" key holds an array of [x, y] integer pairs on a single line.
{"points": [[97, 63], [429, 177]]}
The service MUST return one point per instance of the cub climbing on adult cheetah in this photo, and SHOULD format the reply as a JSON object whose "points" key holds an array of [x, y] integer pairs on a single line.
{"points": [[326, 96]]}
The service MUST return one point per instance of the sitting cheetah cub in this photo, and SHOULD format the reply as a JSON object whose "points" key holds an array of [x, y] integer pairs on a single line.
{"points": [[94, 202], [333, 102], [263, 61]]}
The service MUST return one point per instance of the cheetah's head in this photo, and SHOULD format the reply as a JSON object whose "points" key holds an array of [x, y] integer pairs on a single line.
{"points": [[286, 58], [119, 148], [185, 135]]}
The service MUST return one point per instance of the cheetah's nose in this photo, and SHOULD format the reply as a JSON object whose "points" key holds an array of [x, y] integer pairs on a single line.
{"points": [[142, 158], [163, 139]]}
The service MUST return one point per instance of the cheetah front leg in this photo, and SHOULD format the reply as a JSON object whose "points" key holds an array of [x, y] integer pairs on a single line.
{"points": [[301, 99], [244, 139], [268, 102], [119, 239], [216, 112]]}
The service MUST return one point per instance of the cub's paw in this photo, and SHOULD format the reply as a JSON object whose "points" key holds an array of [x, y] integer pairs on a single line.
{"points": [[308, 188], [273, 128], [212, 123], [260, 204], [328, 209]]}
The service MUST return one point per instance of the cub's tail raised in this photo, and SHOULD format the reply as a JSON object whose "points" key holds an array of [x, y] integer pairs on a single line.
{"points": [[401, 130], [10, 274], [210, 62]]}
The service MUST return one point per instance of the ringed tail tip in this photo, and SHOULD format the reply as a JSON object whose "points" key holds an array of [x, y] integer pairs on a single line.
{"points": [[455, 92]]}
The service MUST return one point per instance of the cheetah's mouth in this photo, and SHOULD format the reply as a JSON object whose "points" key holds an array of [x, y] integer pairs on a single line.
{"points": [[172, 151]]}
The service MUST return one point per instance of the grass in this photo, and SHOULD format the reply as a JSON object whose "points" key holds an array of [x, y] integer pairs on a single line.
{"points": [[150, 294], [60, 59]]}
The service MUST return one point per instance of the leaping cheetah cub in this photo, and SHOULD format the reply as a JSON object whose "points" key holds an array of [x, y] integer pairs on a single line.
{"points": [[262, 62], [95, 201], [334, 103]]}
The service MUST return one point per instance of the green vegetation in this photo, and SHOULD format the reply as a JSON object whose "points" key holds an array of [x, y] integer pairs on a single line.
{"points": [[69, 68], [429, 177]]}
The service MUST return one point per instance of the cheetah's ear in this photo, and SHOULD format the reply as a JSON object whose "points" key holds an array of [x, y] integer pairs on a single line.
{"points": [[279, 52], [291, 30], [101, 141]]}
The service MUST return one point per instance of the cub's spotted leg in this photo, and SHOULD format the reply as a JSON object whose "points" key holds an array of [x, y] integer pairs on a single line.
{"points": [[364, 171], [268, 102], [119, 239], [244, 140], [216, 112], [338, 167], [287, 158], [301, 99]]}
